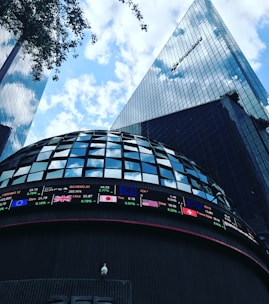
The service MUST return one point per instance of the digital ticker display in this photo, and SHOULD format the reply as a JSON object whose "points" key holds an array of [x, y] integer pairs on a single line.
{"points": [[124, 195]]}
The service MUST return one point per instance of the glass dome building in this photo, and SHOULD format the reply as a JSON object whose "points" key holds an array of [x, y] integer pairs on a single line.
{"points": [[73, 202], [112, 155]]}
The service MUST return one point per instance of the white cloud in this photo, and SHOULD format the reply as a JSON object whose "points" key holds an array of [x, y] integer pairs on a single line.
{"points": [[62, 123]]}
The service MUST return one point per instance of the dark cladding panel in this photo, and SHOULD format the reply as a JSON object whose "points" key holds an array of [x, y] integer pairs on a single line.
{"points": [[66, 291], [149, 265]]}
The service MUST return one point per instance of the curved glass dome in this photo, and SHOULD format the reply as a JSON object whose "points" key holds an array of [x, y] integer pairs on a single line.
{"points": [[109, 154]]}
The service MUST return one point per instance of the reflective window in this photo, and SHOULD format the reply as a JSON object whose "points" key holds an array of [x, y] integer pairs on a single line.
{"points": [[145, 150], [177, 166], [75, 172], [98, 145], [196, 184], [4, 183], [184, 187], [168, 183], [114, 138], [150, 178], [142, 142], [95, 162], [131, 141], [131, 148], [54, 140], [148, 168], [99, 152], [160, 155], [134, 166], [63, 153], [113, 153], [80, 145], [133, 176], [113, 145], [202, 177], [199, 193], [38, 166], [94, 173], [112, 173], [64, 147], [78, 152], [164, 162], [166, 173], [22, 171], [133, 155], [48, 148], [19, 180], [75, 162], [147, 158], [44, 155], [84, 137], [35, 176], [55, 174], [181, 177], [112, 163], [100, 138], [57, 164], [169, 151], [6, 174], [192, 172]]}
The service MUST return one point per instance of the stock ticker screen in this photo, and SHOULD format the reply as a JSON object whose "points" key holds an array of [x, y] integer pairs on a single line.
{"points": [[87, 194]]}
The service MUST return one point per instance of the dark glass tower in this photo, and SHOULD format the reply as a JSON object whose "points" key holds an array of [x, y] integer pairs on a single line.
{"points": [[202, 97], [19, 94]]}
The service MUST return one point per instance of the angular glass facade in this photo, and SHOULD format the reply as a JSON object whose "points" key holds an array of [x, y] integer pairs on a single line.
{"points": [[200, 62], [19, 94]]}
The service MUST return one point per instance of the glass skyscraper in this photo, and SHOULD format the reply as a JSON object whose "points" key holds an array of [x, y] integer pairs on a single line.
{"points": [[19, 95], [200, 62], [202, 97]]}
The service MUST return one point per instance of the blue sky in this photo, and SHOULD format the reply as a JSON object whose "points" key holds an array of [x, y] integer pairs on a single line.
{"points": [[94, 87]]}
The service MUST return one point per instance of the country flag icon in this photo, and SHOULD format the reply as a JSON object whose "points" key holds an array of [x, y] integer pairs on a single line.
{"points": [[150, 203], [62, 198], [19, 203], [189, 211], [107, 198]]}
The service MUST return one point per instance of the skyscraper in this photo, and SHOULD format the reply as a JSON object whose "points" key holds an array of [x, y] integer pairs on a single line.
{"points": [[200, 62], [200, 67], [19, 95]]}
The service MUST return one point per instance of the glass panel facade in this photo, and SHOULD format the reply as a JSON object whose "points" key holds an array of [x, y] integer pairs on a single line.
{"points": [[200, 62], [155, 163]]}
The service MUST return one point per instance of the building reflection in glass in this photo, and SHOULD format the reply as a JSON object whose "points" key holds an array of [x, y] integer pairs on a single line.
{"points": [[19, 94]]}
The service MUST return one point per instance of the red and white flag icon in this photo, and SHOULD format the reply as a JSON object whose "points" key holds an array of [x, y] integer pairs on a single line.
{"points": [[189, 211], [62, 198], [108, 198]]}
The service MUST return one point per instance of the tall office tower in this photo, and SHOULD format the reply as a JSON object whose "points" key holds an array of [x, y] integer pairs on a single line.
{"points": [[72, 203], [200, 64], [19, 95]]}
